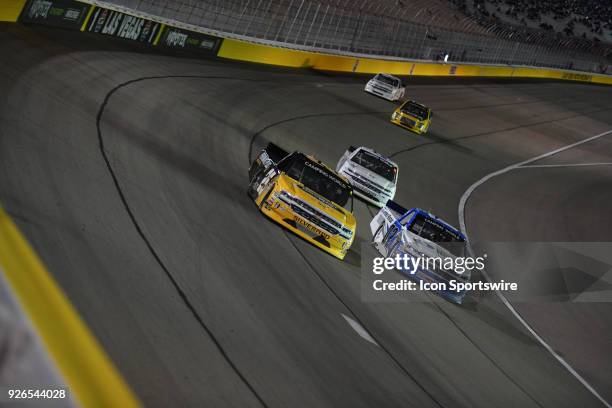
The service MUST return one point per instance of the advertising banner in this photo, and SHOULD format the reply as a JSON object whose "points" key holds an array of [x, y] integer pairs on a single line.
{"points": [[189, 40], [57, 13], [121, 25]]}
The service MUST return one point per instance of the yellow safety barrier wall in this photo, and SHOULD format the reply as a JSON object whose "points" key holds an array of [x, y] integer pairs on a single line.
{"points": [[90, 375], [265, 54], [10, 9]]}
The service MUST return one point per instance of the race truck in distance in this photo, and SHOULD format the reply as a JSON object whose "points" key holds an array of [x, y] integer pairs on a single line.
{"points": [[386, 86], [304, 196], [413, 116], [417, 233], [372, 175]]}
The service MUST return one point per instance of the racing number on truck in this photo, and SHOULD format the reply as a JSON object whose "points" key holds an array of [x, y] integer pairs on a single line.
{"points": [[262, 179], [266, 179], [265, 159], [391, 231]]}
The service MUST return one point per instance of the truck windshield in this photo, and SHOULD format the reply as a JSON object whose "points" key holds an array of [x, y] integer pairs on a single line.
{"points": [[438, 233], [415, 109], [394, 82], [317, 178], [375, 164]]}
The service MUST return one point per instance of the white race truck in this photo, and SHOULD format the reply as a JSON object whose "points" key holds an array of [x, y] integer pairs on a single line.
{"points": [[386, 86], [372, 175]]}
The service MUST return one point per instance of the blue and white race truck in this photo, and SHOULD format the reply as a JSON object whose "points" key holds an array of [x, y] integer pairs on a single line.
{"points": [[419, 234]]}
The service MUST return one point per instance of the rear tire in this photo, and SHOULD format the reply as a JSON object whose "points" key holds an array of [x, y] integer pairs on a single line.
{"points": [[251, 192]]}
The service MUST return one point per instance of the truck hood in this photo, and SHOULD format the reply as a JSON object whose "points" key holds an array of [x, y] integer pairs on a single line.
{"points": [[370, 175], [315, 200]]}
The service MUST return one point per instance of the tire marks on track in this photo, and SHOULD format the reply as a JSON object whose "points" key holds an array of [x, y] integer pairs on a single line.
{"points": [[182, 294]]}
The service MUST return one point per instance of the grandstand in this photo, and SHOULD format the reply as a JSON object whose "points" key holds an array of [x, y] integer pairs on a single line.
{"points": [[588, 19]]}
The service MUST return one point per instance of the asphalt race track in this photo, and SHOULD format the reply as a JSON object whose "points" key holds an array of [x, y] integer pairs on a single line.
{"points": [[127, 172]]}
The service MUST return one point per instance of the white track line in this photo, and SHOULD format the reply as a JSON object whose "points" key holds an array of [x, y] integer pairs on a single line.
{"points": [[359, 329], [462, 203], [531, 166]]}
